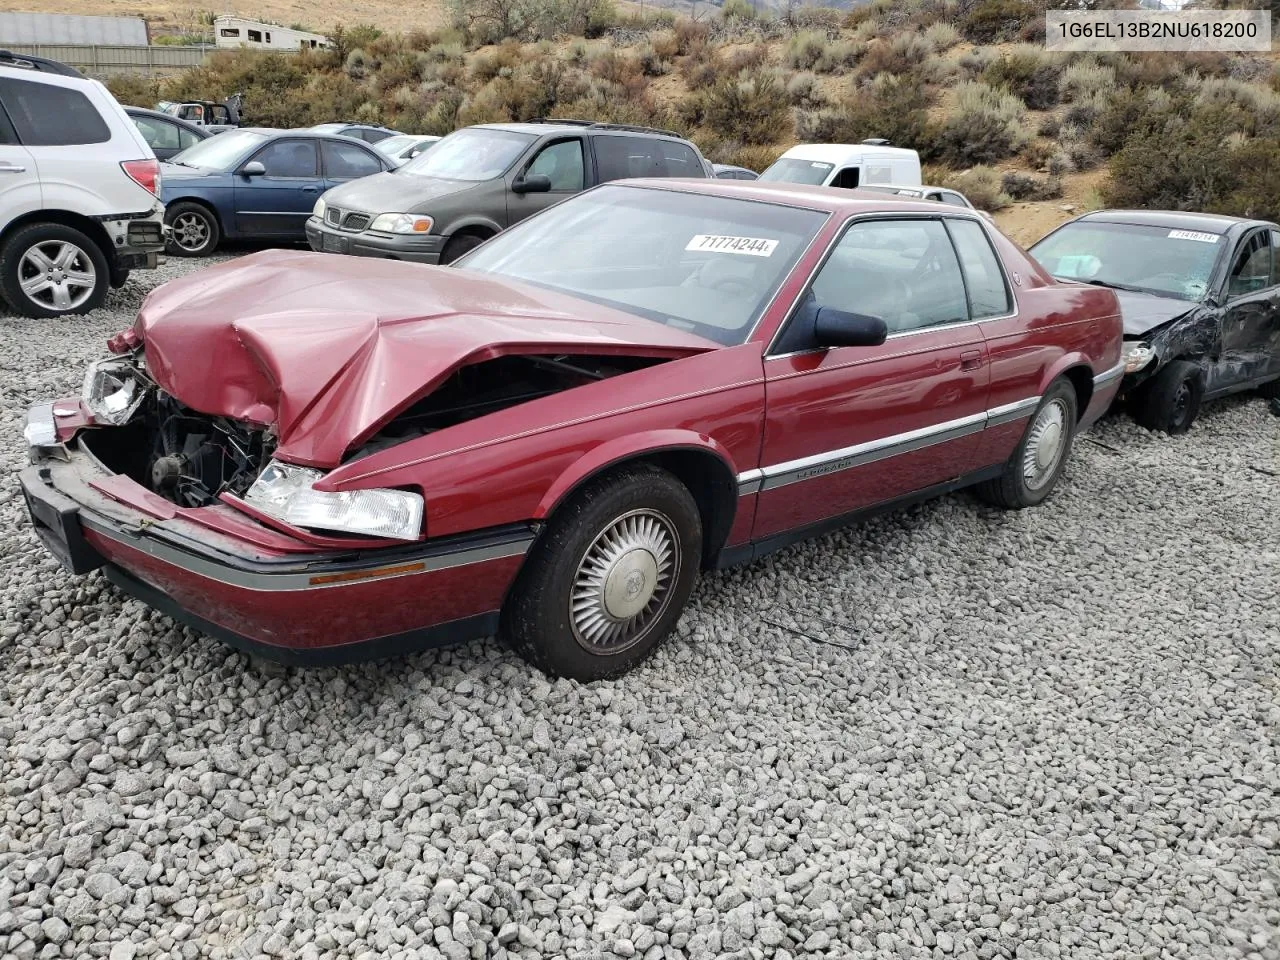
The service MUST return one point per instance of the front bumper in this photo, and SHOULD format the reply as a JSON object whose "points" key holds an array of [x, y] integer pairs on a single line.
{"points": [[415, 249], [300, 607]]}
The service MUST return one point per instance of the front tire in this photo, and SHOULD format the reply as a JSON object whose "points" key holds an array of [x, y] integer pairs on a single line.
{"points": [[459, 245], [1170, 401], [1033, 471], [50, 270], [193, 230], [609, 578]]}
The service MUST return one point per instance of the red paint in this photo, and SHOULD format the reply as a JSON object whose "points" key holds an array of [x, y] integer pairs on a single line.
{"points": [[324, 616], [328, 348]]}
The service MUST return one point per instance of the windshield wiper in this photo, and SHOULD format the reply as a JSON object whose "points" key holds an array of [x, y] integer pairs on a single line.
{"points": [[1108, 283]]}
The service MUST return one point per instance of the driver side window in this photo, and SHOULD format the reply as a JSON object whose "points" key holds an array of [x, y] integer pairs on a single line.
{"points": [[903, 271], [1251, 270], [289, 159], [561, 163], [846, 178]]}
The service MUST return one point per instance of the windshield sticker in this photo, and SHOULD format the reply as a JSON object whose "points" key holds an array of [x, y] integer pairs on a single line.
{"points": [[748, 246], [1193, 235], [1079, 266]]}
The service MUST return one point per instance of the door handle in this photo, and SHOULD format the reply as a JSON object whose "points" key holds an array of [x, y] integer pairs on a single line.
{"points": [[310, 189], [12, 168], [970, 359]]}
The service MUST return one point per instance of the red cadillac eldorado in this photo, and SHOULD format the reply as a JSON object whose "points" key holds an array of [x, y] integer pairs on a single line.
{"points": [[322, 458]]}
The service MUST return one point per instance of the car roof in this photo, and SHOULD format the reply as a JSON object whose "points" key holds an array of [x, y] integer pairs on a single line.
{"points": [[1174, 219], [542, 127], [167, 118], [827, 199], [840, 152]]}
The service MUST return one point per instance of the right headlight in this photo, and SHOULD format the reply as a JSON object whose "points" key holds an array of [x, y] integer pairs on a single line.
{"points": [[402, 223], [1137, 355], [285, 492], [318, 209], [113, 390]]}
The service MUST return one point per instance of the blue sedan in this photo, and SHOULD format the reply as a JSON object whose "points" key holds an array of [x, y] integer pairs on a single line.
{"points": [[256, 184]]}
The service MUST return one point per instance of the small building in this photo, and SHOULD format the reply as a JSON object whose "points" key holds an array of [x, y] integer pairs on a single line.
{"points": [[64, 28], [238, 32]]}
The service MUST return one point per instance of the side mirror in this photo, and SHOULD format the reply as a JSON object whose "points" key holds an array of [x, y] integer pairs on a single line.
{"points": [[538, 183], [253, 168], [837, 328]]}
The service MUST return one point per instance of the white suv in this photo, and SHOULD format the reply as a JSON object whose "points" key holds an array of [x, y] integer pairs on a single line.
{"points": [[79, 190]]}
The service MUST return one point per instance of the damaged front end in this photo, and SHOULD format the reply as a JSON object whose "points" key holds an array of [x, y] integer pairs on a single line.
{"points": [[186, 457]]}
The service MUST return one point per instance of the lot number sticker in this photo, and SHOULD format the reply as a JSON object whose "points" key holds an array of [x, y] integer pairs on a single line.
{"points": [[1193, 235], [747, 246]]}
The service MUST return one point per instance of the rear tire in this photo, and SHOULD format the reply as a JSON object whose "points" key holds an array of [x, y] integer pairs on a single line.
{"points": [[1170, 401], [460, 244], [1032, 472], [609, 577], [50, 270], [193, 230]]}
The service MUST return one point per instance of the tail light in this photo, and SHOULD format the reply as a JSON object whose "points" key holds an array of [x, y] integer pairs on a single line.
{"points": [[145, 173]]}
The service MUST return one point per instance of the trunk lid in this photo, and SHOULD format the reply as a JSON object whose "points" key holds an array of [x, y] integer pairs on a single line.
{"points": [[329, 348]]}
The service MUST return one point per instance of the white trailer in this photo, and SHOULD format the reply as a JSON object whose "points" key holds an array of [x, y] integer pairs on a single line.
{"points": [[239, 32]]}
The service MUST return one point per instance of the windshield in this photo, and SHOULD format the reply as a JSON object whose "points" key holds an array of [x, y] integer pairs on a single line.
{"points": [[220, 152], [704, 264], [393, 145], [470, 154], [792, 170], [1132, 256]]}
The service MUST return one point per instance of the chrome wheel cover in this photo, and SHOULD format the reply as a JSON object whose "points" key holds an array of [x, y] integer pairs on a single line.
{"points": [[623, 582], [1046, 444], [190, 231], [57, 275]]}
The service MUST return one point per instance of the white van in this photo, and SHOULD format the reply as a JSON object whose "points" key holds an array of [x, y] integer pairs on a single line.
{"points": [[846, 165]]}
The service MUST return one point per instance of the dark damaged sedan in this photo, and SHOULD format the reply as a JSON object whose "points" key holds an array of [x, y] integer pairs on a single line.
{"points": [[1200, 295]]}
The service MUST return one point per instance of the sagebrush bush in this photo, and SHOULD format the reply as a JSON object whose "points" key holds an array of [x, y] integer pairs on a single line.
{"points": [[975, 61], [737, 10], [941, 36], [1085, 81], [891, 107], [839, 55], [1023, 186], [1175, 162], [805, 49], [751, 105], [993, 21], [986, 124], [823, 19], [982, 186], [803, 90], [1028, 73], [903, 54]]}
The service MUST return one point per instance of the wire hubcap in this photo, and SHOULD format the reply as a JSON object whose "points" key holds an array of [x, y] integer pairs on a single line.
{"points": [[1046, 444], [623, 582], [57, 275]]}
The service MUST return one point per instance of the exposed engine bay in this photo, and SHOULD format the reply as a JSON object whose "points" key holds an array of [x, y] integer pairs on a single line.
{"points": [[191, 458], [483, 388]]}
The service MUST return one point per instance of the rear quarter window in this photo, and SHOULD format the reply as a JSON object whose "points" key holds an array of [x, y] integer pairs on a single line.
{"points": [[619, 158], [45, 115]]}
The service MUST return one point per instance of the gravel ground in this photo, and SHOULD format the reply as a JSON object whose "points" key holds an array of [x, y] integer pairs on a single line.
{"points": [[949, 733]]}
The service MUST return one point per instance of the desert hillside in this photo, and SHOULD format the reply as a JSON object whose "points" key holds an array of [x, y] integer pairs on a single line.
{"points": [[1035, 137]]}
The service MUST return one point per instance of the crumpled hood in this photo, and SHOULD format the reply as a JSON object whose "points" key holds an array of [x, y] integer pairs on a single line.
{"points": [[1143, 312], [398, 192], [329, 348]]}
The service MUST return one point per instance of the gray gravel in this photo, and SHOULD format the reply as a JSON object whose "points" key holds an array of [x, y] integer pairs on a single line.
{"points": [[949, 733]]}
